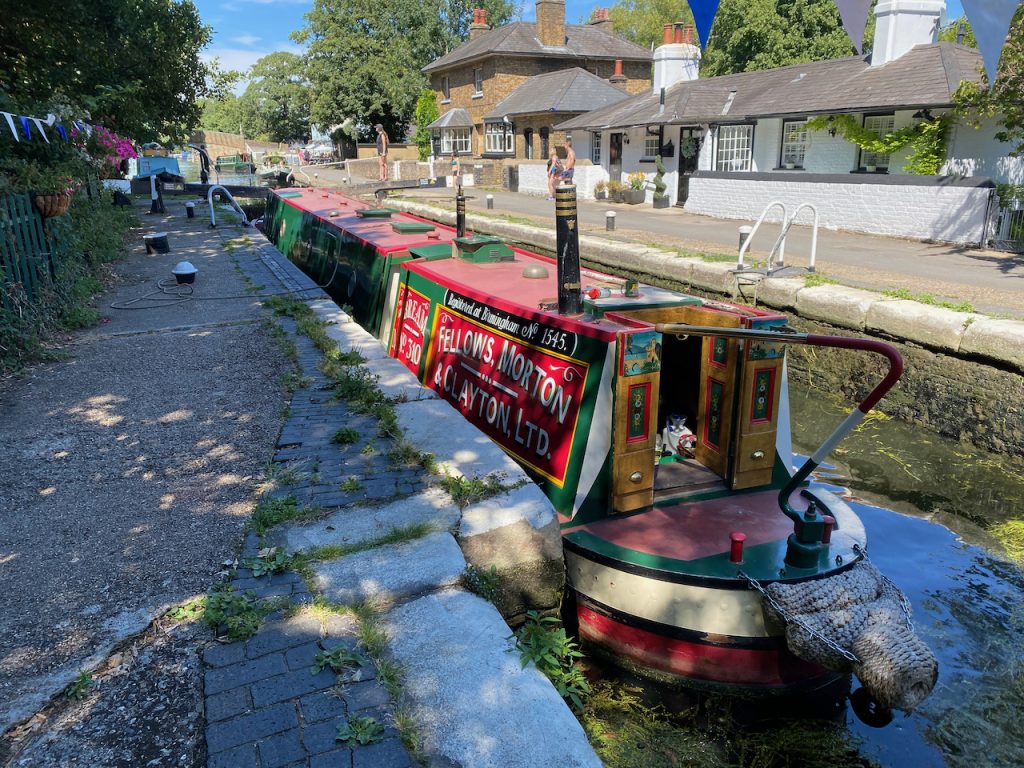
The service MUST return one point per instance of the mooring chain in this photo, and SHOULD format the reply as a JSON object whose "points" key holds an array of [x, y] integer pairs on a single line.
{"points": [[790, 619], [904, 602]]}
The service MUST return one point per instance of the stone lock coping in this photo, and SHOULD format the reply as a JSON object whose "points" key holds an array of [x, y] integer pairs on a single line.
{"points": [[999, 341]]}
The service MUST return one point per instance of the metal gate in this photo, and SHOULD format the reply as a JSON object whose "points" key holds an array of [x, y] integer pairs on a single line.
{"points": [[1008, 232]]}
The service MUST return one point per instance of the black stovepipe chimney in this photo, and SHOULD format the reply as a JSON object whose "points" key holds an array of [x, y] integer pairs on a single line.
{"points": [[460, 214], [567, 238]]}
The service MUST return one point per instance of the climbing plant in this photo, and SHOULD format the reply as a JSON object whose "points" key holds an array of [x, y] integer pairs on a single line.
{"points": [[926, 139]]}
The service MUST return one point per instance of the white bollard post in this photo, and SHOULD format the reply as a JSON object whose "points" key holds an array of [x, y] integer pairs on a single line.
{"points": [[609, 221], [490, 202]]}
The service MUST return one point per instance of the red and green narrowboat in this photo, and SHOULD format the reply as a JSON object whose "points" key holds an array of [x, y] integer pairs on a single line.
{"points": [[657, 423]]}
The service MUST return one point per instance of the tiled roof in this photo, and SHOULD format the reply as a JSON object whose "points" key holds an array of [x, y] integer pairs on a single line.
{"points": [[453, 118], [926, 76], [568, 90], [584, 41]]}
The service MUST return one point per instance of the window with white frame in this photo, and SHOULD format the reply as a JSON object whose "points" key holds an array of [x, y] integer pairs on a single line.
{"points": [[794, 143], [445, 88], [478, 80], [595, 148], [499, 138], [455, 140], [652, 146], [734, 145], [879, 125]]}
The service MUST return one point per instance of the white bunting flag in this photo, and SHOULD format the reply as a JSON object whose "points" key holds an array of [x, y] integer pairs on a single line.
{"points": [[10, 122], [39, 125], [990, 20], [854, 14]]}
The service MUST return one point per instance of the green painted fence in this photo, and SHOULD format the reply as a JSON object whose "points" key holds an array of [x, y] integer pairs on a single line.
{"points": [[31, 247]]}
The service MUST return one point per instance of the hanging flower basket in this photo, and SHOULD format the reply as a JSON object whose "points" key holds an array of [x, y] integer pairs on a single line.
{"points": [[53, 205]]}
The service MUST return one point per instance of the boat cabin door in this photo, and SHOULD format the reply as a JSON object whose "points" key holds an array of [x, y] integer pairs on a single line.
{"points": [[635, 419]]}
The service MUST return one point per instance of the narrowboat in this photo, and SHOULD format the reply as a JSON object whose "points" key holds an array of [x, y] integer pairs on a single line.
{"points": [[656, 422], [234, 164]]}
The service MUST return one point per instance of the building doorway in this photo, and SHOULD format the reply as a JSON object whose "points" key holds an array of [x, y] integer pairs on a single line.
{"points": [[615, 157], [690, 140], [528, 143]]}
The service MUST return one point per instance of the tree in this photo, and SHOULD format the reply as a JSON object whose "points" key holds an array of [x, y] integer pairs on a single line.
{"points": [[643, 21], [365, 57], [751, 35], [132, 65], [224, 114], [275, 105], [426, 113], [1001, 100]]}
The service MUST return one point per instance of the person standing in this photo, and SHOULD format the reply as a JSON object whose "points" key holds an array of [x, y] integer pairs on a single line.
{"points": [[569, 166], [554, 171], [382, 151], [456, 172]]}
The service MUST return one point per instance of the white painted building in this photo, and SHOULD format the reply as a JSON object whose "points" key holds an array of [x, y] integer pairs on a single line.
{"points": [[734, 143]]}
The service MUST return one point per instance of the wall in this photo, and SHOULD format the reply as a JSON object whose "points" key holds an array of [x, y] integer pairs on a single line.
{"points": [[921, 207], [975, 152], [396, 151], [533, 179]]}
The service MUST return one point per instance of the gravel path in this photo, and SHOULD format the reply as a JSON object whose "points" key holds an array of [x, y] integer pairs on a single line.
{"points": [[128, 468]]}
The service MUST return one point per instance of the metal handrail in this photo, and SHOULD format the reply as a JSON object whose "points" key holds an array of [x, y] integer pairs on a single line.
{"points": [[757, 224], [213, 213], [853, 418]]}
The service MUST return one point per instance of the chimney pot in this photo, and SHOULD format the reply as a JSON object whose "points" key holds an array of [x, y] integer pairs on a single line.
{"points": [[618, 67], [667, 37], [678, 34], [483, 16], [688, 34]]}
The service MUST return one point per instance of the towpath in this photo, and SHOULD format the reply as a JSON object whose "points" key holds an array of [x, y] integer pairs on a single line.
{"points": [[992, 281], [131, 468]]}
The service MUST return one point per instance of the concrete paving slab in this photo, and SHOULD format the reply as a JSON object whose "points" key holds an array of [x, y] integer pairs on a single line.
{"points": [[995, 339], [387, 574], [837, 305], [356, 525], [350, 337], [779, 292], [459, 448], [471, 699], [526, 503], [932, 326]]}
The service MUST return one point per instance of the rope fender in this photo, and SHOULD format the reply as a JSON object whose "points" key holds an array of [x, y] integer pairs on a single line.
{"points": [[864, 614]]}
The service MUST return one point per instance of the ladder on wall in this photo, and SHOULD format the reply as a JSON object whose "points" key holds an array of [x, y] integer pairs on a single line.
{"points": [[777, 255]]}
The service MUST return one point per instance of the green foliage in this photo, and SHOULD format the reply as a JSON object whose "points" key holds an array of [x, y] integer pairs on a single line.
{"points": [[92, 234], [365, 57], [345, 436], [751, 35], [1002, 99], [276, 103], [337, 660], [268, 562], [274, 511], [133, 65], [351, 485], [1008, 193], [927, 298], [659, 177], [190, 611], [236, 615], [816, 278], [637, 180], [926, 139], [79, 687], [426, 113], [642, 21], [1011, 535], [487, 583], [359, 731], [465, 491], [543, 641]]}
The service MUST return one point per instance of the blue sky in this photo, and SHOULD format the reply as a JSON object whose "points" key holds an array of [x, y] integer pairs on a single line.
{"points": [[245, 30]]}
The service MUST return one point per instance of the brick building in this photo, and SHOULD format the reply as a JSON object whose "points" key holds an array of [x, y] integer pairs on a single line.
{"points": [[474, 80]]}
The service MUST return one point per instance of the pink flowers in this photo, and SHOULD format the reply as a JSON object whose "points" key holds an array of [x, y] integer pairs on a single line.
{"points": [[109, 150]]}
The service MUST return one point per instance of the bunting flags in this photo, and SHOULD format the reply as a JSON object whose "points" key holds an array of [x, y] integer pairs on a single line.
{"points": [[990, 20], [50, 121], [703, 17], [854, 14]]}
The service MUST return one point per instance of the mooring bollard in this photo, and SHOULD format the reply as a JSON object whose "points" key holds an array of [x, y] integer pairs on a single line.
{"points": [[490, 202], [609, 221], [190, 210], [156, 243], [744, 235]]}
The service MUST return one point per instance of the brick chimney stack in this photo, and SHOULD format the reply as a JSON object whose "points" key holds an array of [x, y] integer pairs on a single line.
{"points": [[479, 25], [602, 21], [551, 23]]}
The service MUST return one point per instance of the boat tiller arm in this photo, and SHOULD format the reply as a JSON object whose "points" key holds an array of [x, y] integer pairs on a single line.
{"points": [[810, 528]]}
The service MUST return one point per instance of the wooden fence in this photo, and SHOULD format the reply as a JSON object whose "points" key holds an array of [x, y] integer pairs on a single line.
{"points": [[30, 247]]}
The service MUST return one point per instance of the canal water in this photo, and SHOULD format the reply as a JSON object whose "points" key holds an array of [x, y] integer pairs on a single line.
{"points": [[929, 507]]}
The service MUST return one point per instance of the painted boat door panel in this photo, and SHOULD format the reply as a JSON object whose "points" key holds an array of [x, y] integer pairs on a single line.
{"points": [[757, 430], [636, 418]]}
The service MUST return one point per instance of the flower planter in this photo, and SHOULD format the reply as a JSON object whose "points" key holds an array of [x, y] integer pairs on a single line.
{"points": [[661, 202], [602, 195], [53, 205], [633, 196]]}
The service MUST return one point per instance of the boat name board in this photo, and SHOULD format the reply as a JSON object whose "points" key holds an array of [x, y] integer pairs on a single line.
{"points": [[524, 397], [539, 334]]}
